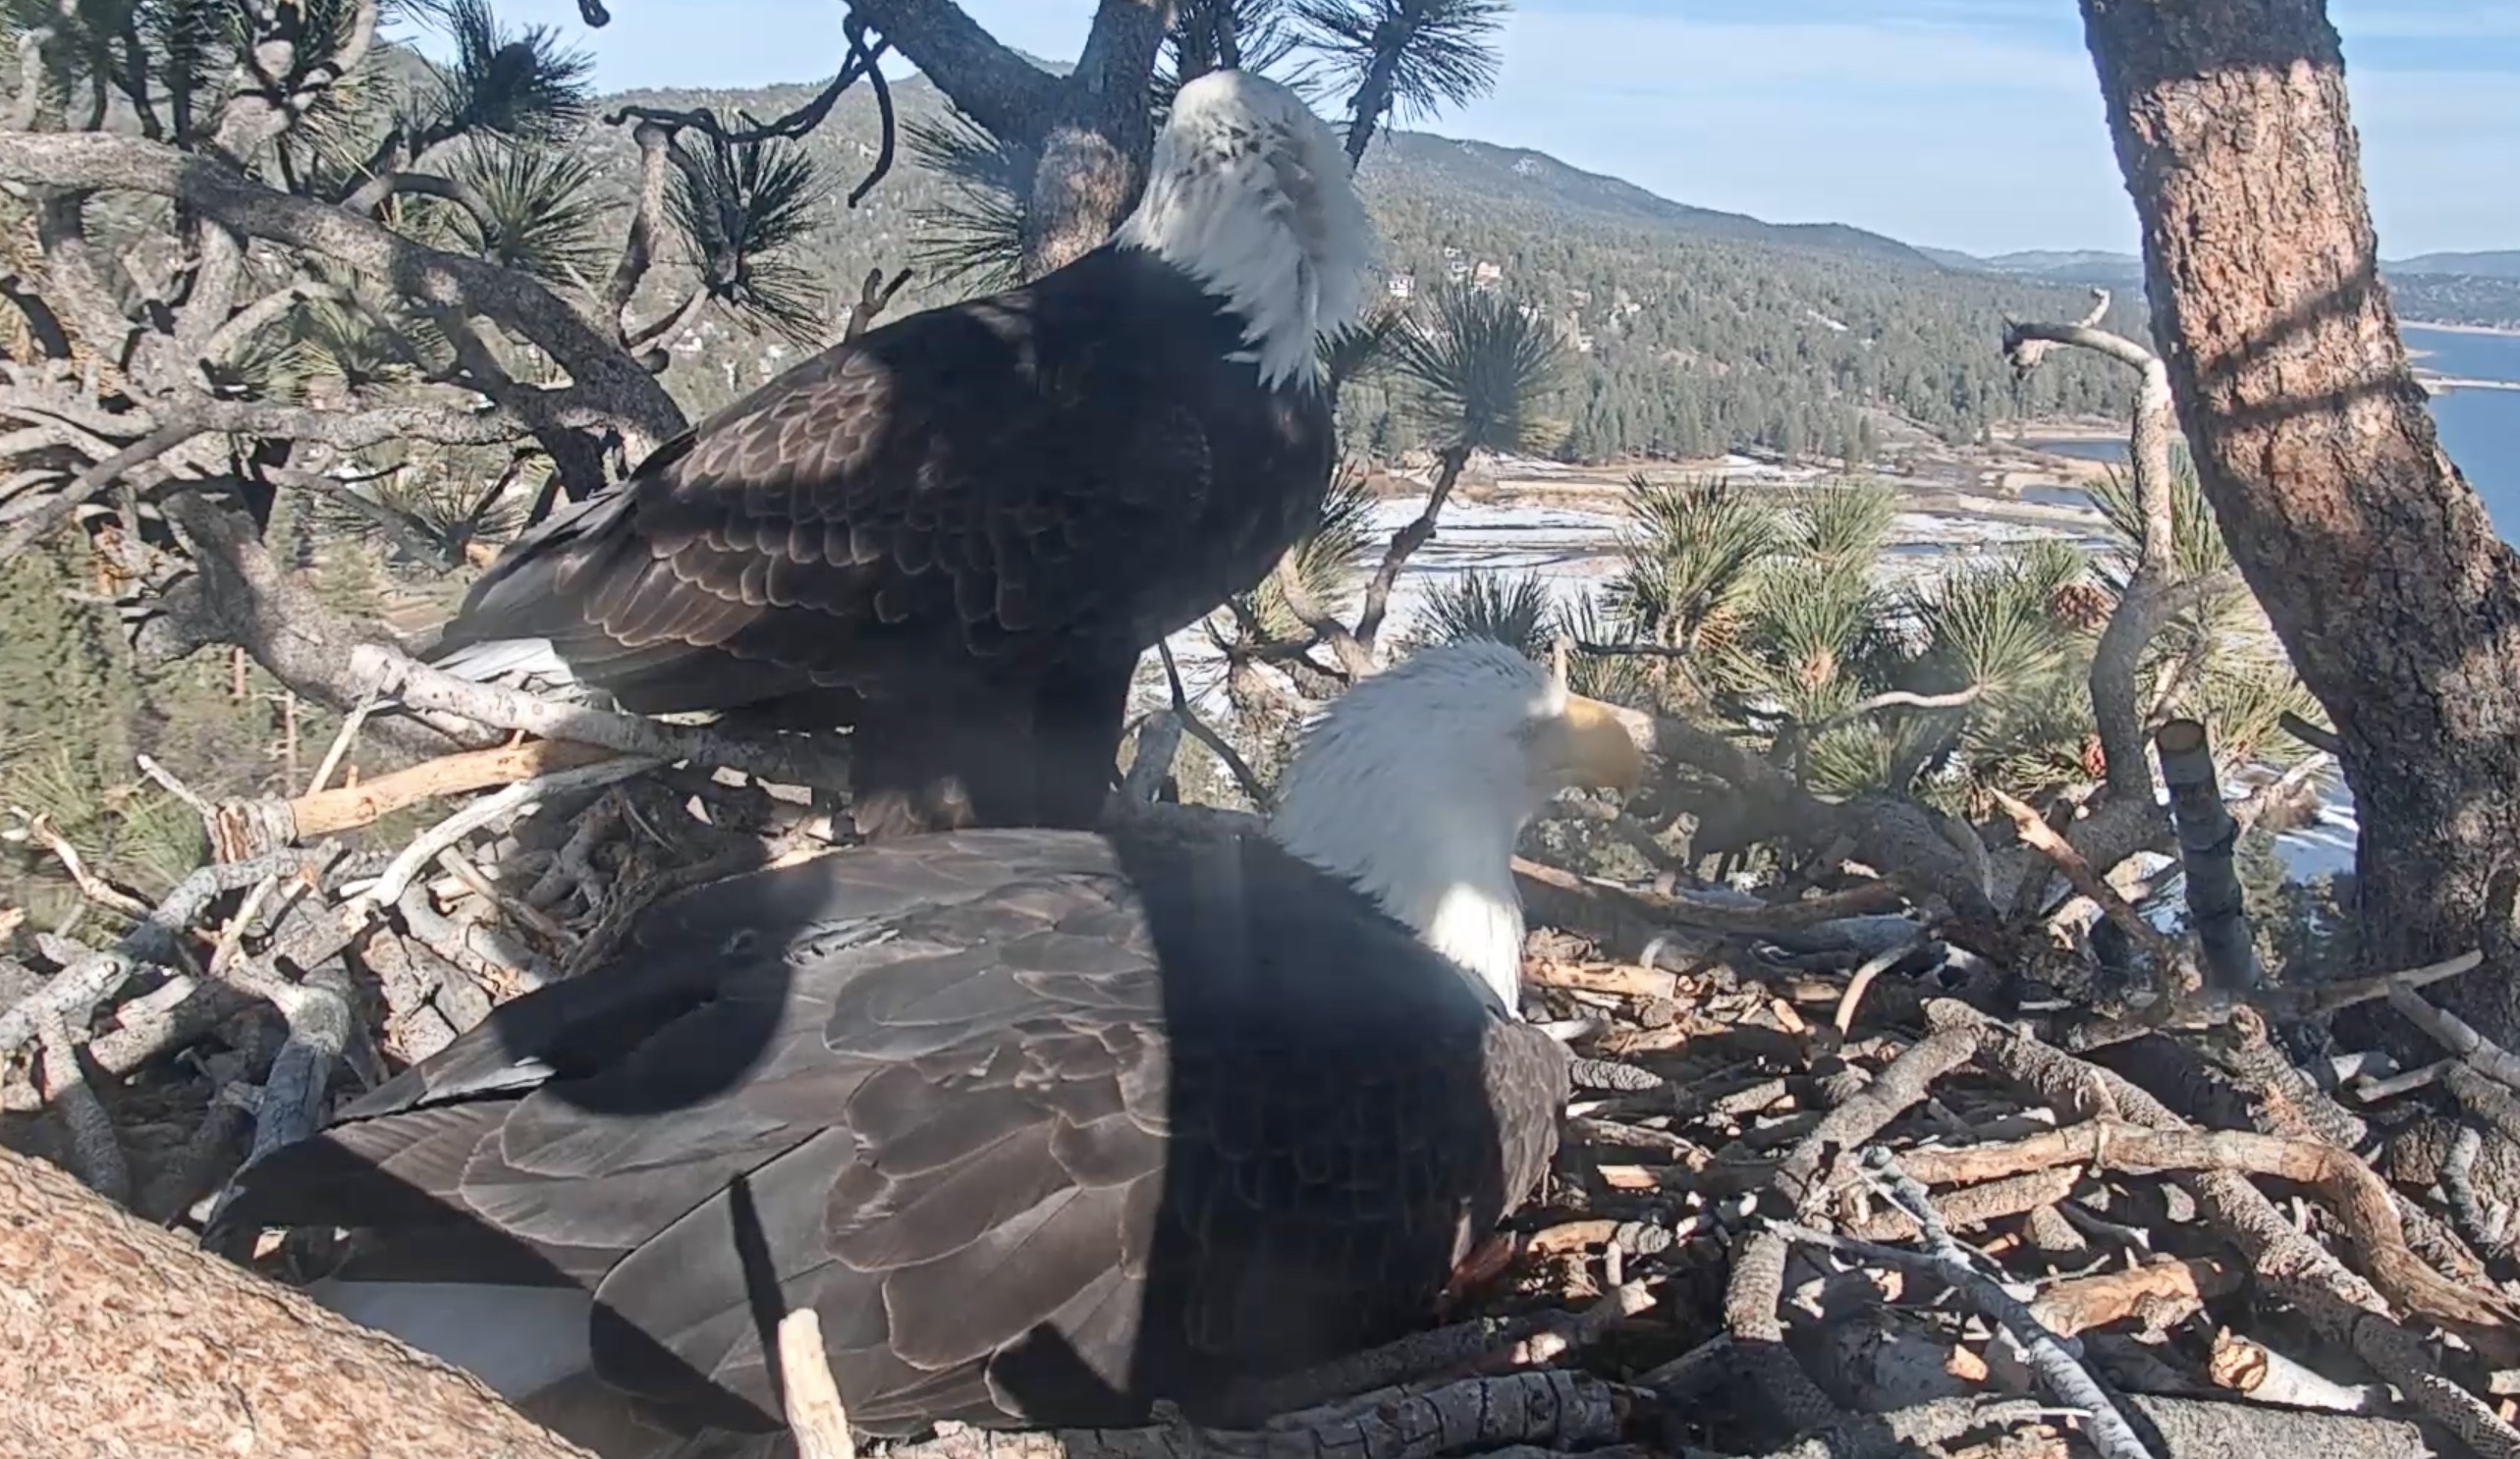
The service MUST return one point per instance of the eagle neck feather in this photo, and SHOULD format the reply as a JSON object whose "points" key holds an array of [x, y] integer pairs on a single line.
{"points": [[1265, 220], [1425, 823]]}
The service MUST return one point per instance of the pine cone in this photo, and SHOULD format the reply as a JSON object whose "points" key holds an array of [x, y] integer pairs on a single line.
{"points": [[2082, 605]]}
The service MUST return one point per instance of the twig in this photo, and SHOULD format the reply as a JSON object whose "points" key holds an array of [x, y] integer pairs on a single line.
{"points": [[807, 1392], [863, 56], [418, 687], [90, 885], [407, 864], [2454, 1033], [2071, 1308], [177, 430], [461, 867], [1873, 967], [2342, 1304], [874, 295], [1244, 777], [2038, 834], [87, 977], [339, 749], [2360, 1198], [2057, 1367], [2246, 1366], [168, 782]]}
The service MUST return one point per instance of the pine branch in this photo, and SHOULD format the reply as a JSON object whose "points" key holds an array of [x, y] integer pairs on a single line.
{"points": [[606, 383]]}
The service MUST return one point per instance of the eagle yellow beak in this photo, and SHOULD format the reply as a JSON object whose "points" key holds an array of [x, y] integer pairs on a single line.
{"points": [[1601, 755]]}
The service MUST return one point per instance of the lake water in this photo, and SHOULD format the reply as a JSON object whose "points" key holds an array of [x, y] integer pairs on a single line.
{"points": [[2480, 428]]}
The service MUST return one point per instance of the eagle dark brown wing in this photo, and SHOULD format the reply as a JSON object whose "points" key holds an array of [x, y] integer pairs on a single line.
{"points": [[958, 493], [1043, 1125]]}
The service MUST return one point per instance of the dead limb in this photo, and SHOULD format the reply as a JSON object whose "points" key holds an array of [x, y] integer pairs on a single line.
{"points": [[786, 762], [2038, 834], [2454, 1033], [2341, 1304], [2250, 1368], [38, 828], [2201, 1429], [88, 977], [424, 847], [2071, 1308], [2057, 1369], [292, 1103], [96, 1153], [2361, 1200], [246, 829]]}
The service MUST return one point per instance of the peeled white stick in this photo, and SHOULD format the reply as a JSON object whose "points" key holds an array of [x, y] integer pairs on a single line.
{"points": [[2251, 1368], [810, 1397]]}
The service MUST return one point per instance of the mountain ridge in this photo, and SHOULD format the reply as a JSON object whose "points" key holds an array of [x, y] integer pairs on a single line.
{"points": [[2467, 289]]}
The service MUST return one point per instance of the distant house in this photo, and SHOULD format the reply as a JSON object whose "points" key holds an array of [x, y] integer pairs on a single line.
{"points": [[1400, 286], [1485, 275], [1457, 269]]}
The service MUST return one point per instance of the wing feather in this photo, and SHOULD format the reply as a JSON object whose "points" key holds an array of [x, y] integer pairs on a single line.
{"points": [[947, 1092], [964, 484]]}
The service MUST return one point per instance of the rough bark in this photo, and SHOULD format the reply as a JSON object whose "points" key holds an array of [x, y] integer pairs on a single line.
{"points": [[124, 1339], [2373, 556], [1093, 152]]}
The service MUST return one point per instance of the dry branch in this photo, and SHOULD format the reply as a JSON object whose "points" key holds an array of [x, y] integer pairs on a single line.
{"points": [[2036, 832], [608, 386], [246, 829], [2077, 1306], [2360, 1199], [2344, 1306], [785, 761]]}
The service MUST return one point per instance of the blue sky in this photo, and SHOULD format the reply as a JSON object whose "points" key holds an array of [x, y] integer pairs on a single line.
{"points": [[1964, 124]]}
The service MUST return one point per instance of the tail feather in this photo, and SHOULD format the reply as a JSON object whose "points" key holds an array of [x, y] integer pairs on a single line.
{"points": [[485, 660]]}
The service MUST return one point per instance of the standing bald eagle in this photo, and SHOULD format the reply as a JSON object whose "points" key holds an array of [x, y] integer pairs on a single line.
{"points": [[964, 526], [1045, 1124]]}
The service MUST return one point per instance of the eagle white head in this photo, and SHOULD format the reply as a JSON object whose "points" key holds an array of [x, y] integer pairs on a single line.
{"points": [[1416, 785], [1248, 193]]}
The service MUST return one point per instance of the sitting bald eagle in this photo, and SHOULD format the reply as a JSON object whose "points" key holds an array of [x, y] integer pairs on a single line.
{"points": [[961, 529], [1046, 1125]]}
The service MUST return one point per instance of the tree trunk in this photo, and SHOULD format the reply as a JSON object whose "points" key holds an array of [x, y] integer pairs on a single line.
{"points": [[2374, 557], [124, 1338], [1093, 152]]}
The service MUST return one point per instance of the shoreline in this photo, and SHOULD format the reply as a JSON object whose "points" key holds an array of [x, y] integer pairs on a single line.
{"points": [[2502, 330]]}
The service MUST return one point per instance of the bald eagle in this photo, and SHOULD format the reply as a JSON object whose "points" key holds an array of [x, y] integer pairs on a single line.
{"points": [[960, 530], [1047, 1125]]}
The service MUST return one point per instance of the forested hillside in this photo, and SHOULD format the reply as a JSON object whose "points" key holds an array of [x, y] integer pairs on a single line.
{"points": [[1700, 330]]}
